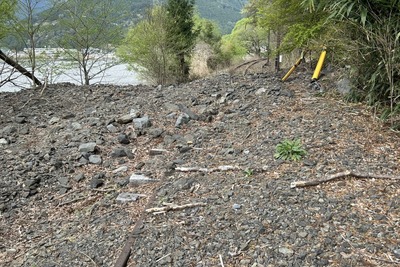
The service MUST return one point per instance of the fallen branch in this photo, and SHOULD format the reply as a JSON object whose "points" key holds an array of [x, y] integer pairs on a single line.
{"points": [[71, 201], [342, 175], [170, 206], [19, 68], [197, 169], [221, 261]]}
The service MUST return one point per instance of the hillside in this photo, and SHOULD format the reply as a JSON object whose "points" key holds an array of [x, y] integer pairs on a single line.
{"points": [[79, 166]]}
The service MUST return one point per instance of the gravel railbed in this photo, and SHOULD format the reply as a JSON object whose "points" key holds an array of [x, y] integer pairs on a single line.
{"points": [[58, 208]]}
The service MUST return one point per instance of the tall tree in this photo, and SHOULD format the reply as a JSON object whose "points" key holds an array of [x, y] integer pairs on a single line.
{"points": [[181, 34], [7, 9], [28, 27], [91, 33], [146, 48]]}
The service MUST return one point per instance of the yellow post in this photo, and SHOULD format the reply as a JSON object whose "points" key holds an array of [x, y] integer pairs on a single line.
{"points": [[320, 63], [292, 69]]}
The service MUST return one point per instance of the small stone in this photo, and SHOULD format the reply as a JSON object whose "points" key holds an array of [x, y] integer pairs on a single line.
{"points": [[303, 234], [188, 112], [111, 128], [182, 119], [286, 251], [76, 126], [95, 159], [236, 206], [141, 123], [63, 181], [261, 91], [88, 147], [24, 131], [123, 139], [154, 152], [134, 113], [139, 179], [20, 119], [184, 149], [3, 141], [120, 169], [68, 116], [119, 152], [156, 132], [129, 197], [9, 130], [96, 183], [396, 253], [79, 177], [309, 163], [54, 120], [125, 119]]}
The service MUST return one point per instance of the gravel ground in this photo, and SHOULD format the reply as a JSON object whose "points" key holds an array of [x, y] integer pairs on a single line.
{"points": [[59, 205]]}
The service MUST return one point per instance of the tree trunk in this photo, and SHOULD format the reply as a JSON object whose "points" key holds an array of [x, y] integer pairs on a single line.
{"points": [[19, 68]]}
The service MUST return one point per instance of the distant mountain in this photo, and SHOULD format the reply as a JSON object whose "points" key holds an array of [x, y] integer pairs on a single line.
{"points": [[225, 12]]}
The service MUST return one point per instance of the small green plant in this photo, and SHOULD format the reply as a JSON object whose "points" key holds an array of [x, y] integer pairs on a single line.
{"points": [[290, 150], [248, 172]]}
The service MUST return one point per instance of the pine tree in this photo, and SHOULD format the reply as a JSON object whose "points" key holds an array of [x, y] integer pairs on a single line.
{"points": [[181, 34]]}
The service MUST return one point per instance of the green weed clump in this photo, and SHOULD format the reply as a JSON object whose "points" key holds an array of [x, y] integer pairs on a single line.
{"points": [[290, 150]]}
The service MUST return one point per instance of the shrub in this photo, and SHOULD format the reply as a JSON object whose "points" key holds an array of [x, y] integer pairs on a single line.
{"points": [[290, 150]]}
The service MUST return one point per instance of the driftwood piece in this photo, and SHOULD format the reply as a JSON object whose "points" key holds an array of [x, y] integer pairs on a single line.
{"points": [[342, 175], [171, 206]]}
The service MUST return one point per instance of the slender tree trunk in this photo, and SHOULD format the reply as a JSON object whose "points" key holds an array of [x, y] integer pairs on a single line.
{"points": [[278, 44], [268, 45], [19, 68]]}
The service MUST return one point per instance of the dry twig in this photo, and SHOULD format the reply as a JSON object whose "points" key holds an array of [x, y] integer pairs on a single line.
{"points": [[221, 261], [342, 175], [198, 169], [171, 206]]}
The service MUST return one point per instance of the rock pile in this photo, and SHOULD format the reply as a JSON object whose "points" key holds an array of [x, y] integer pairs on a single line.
{"points": [[79, 164]]}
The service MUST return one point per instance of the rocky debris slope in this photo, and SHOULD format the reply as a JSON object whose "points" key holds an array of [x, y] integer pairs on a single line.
{"points": [[79, 165]]}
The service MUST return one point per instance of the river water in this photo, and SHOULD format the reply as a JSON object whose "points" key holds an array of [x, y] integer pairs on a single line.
{"points": [[117, 75]]}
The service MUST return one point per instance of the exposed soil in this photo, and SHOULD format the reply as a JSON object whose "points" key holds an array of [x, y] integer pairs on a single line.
{"points": [[58, 195]]}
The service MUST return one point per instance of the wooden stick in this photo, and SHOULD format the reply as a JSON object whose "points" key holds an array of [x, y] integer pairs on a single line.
{"points": [[170, 206], [342, 175], [221, 261], [199, 169]]}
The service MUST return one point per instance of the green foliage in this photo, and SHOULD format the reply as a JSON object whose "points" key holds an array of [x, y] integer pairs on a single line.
{"points": [[159, 47], [180, 34], [7, 8], [250, 37], [207, 31], [146, 48], [290, 150], [248, 172], [375, 27], [92, 32]]}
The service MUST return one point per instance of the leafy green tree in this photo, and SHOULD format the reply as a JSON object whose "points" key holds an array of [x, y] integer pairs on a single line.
{"points": [[7, 8], [181, 34], [146, 48], [210, 35], [207, 31], [250, 36], [90, 33], [29, 27]]}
